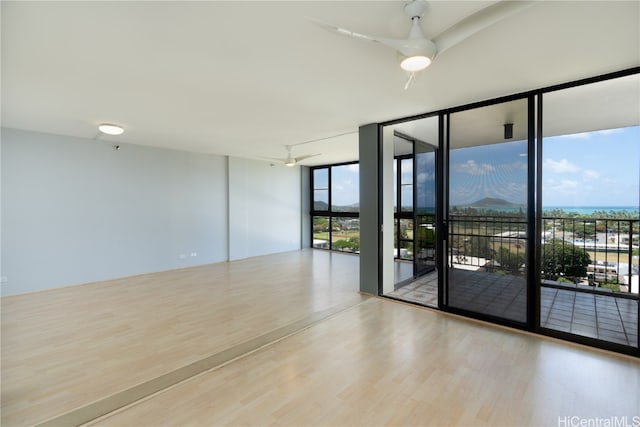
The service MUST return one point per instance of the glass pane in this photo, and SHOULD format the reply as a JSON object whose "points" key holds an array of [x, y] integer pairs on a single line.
{"points": [[406, 195], [345, 188], [320, 200], [345, 236], [591, 206], [406, 185], [425, 251], [406, 174], [487, 206], [415, 274], [405, 239], [321, 179], [321, 232]]}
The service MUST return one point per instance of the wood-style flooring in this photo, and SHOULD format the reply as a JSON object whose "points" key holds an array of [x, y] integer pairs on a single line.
{"points": [[292, 342]]}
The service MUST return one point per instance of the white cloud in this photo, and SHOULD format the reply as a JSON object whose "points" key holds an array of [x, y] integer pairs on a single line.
{"points": [[353, 168], [424, 177], [472, 168], [566, 186], [514, 166], [562, 166], [589, 175]]}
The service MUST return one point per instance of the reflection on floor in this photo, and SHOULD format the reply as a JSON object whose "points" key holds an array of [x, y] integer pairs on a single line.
{"points": [[423, 290], [596, 316], [402, 271]]}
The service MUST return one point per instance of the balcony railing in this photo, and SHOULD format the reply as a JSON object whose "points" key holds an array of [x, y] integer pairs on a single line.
{"points": [[599, 253]]}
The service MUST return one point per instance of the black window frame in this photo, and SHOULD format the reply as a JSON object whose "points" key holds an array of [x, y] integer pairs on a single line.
{"points": [[329, 212]]}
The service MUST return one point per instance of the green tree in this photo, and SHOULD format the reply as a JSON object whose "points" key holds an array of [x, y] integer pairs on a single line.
{"points": [[355, 243], [320, 224], [346, 245], [560, 258], [509, 261]]}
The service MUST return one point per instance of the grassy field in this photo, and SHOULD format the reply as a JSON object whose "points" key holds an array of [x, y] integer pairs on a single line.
{"points": [[337, 235], [610, 257]]}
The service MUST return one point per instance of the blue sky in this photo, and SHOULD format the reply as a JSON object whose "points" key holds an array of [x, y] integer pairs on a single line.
{"points": [[592, 169], [496, 170], [587, 169], [345, 184]]}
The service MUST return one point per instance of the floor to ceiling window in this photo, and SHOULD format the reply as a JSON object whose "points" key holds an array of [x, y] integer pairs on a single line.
{"points": [[335, 222], [534, 219], [590, 211]]}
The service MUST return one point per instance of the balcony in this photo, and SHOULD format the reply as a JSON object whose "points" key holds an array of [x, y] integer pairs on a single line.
{"points": [[589, 276]]}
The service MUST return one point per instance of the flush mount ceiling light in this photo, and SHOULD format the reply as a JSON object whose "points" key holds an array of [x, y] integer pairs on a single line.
{"points": [[110, 129]]}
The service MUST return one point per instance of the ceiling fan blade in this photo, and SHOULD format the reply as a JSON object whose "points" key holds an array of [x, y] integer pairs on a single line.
{"points": [[343, 31], [301, 158], [478, 21], [273, 159], [404, 46]]}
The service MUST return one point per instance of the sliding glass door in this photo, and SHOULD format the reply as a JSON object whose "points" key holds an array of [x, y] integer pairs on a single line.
{"points": [[488, 239], [415, 235], [522, 211]]}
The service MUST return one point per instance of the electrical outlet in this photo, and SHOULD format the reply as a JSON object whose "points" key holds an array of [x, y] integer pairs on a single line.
{"points": [[194, 253]]}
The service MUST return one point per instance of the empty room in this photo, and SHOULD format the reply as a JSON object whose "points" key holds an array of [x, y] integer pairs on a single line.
{"points": [[320, 213]]}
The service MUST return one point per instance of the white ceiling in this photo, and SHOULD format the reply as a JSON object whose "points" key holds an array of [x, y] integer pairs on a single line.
{"points": [[246, 78]]}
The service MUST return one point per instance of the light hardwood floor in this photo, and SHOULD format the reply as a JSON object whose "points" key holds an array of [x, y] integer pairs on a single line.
{"points": [[68, 347], [378, 362], [386, 363]]}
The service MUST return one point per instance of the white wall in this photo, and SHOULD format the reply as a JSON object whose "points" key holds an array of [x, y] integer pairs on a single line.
{"points": [[264, 208], [75, 210]]}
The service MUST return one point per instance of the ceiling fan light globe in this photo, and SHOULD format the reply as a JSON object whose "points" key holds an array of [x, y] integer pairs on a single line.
{"points": [[415, 63], [290, 162]]}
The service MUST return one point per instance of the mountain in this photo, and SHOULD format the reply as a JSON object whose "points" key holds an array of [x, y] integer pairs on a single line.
{"points": [[320, 206], [347, 208], [323, 206], [493, 203]]}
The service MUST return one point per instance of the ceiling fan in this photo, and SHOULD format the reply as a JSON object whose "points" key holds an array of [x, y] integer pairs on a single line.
{"points": [[290, 160], [416, 52]]}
